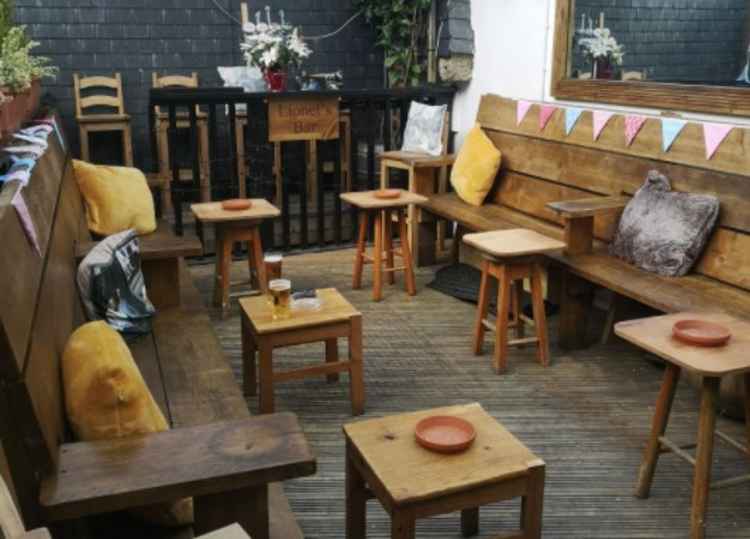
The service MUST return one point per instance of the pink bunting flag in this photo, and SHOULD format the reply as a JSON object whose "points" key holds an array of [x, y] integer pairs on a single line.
{"points": [[633, 125], [24, 216], [714, 135], [545, 114], [522, 108], [601, 118]]}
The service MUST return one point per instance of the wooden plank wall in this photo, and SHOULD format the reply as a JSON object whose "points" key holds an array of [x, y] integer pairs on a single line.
{"points": [[541, 167]]}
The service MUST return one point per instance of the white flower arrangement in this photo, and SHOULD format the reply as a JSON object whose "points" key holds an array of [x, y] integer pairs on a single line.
{"points": [[601, 44], [272, 46]]}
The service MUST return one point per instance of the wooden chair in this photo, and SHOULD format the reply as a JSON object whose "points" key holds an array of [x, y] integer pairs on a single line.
{"points": [[183, 122], [421, 168], [92, 122]]}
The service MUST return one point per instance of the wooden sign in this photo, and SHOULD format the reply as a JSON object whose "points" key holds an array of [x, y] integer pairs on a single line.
{"points": [[303, 118]]}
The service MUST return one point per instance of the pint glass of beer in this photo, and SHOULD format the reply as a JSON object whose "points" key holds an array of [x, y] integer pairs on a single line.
{"points": [[281, 292]]}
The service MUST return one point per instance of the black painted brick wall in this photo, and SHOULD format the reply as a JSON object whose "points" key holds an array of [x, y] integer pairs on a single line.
{"points": [[138, 37], [675, 40]]}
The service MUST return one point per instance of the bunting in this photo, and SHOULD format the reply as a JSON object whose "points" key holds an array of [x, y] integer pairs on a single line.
{"points": [[572, 115], [670, 130], [522, 109], [601, 118], [633, 125], [24, 216], [714, 135], [545, 115]]}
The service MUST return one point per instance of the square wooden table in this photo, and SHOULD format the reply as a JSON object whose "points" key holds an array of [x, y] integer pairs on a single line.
{"points": [[231, 227], [383, 212], [654, 334], [384, 461], [335, 319]]}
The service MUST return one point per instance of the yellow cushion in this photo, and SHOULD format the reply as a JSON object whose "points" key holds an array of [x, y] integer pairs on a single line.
{"points": [[117, 198], [106, 397], [476, 167]]}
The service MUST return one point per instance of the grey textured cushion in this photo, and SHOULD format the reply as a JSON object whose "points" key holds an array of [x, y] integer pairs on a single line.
{"points": [[662, 231], [424, 129]]}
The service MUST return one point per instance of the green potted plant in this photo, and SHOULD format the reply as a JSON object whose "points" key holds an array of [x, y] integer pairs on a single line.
{"points": [[20, 74]]}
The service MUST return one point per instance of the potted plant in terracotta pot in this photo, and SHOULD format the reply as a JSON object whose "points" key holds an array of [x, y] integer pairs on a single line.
{"points": [[273, 48], [20, 75]]}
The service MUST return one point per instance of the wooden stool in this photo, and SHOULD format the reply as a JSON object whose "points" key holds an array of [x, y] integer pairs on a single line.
{"points": [[384, 462], [335, 319], [511, 256], [654, 334], [232, 227], [183, 122], [102, 122], [381, 211]]}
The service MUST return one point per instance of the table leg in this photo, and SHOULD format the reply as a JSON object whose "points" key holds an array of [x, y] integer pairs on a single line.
{"points": [[356, 499], [658, 428], [500, 359], [532, 504], [411, 285], [482, 306], [249, 381], [332, 356], [704, 455], [356, 374], [251, 265], [540, 318], [265, 349], [377, 266], [470, 522], [260, 267], [217, 267], [359, 259], [402, 527], [226, 268], [747, 409], [388, 245]]}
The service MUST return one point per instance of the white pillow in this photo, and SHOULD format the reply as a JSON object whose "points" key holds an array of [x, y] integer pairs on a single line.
{"points": [[249, 78], [424, 129]]}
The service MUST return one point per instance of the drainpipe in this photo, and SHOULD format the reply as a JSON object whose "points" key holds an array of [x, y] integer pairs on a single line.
{"points": [[432, 43]]}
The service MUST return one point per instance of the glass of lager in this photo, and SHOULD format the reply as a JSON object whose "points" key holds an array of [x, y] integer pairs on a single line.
{"points": [[281, 293]]}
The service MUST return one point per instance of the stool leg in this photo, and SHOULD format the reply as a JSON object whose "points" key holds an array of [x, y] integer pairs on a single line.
{"points": [[532, 504], [704, 455], [470, 522], [266, 404], [226, 268], [218, 267], [260, 266], [377, 273], [406, 254], [83, 134], [356, 499], [658, 428], [517, 300], [356, 376], [359, 258], [254, 282], [332, 356], [540, 318], [402, 526], [482, 305], [388, 244], [249, 381], [747, 408], [500, 359]]}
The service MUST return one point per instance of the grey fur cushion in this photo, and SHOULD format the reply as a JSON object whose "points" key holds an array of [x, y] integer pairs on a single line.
{"points": [[662, 231]]}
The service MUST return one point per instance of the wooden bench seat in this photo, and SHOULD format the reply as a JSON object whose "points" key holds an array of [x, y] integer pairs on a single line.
{"points": [[215, 451]]}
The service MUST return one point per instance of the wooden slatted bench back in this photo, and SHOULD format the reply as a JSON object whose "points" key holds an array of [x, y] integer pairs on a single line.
{"points": [[548, 166]]}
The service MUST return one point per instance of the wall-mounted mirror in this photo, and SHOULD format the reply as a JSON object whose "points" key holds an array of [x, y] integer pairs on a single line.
{"points": [[676, 54]]}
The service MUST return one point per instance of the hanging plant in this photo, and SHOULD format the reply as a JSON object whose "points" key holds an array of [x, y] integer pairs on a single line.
{"points": [[401, 27]]}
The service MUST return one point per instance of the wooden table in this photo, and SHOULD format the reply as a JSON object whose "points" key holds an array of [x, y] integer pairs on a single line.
{"points": [[231, 227], [511, 256], [655, 335], [384, 461], [383, 212], [335, 319]]}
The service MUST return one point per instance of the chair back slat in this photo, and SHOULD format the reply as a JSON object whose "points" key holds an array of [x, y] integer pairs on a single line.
{"points": [[174, 81], [83, 103]]}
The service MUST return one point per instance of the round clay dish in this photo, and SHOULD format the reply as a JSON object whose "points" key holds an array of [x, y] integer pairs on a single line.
{"points": [[237, 204], [388, 194], [445, 434], [701, 333]]}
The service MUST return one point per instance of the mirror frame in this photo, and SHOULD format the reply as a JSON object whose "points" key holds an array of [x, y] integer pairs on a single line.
{"points": [[682, 97]]}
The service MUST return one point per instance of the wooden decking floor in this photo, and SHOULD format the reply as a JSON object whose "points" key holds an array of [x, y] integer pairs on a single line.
{"points": [[587, 416]]}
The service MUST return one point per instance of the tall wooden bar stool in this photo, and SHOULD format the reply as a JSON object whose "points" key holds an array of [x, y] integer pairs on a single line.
{"points": [[382, 213], [97, 122], [511, 256], [183, 122]]}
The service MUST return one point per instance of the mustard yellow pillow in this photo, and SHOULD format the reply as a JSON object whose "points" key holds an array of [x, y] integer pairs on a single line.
{"points": [[106, 397], [476, 167], [117, 198]]}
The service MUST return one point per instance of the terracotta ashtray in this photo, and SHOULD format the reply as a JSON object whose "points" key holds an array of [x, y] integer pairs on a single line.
{"points": [[701, 333], [388, 194], [445, 434], [237, 204]]}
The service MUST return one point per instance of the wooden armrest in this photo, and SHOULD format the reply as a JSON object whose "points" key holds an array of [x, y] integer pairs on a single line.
{"points": [[112, 475], [234, 531], [588, 207], [159, 245]]}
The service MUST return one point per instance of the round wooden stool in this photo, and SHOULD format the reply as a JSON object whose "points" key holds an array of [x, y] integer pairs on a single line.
{"points": [[511, 256]]}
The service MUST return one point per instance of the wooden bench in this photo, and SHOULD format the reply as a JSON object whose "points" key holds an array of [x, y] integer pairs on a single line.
{"points": [[540, 168], [215, 451]]}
